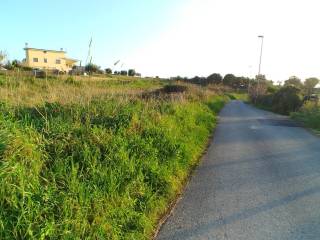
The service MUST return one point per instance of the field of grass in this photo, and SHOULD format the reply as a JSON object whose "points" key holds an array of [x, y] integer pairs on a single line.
{"points": [[309, 115], [97, 158]]}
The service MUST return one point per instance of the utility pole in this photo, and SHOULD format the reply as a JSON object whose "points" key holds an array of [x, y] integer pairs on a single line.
{"points": [[89, 56], [261, 51]]}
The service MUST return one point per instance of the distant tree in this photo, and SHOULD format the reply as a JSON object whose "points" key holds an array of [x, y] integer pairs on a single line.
{"points": [[132, 72], [124, 73], [261, 77], [108, 71], [294, 81], [229, 80], [243, 82], [214, 78], [198, 80], [177, 78], [310, 84], [92, 68], [16, 64], [257, 89]]}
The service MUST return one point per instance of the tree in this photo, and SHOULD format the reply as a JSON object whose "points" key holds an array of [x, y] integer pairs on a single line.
{"points": [[214, 78], [198, 80], [108, 71], [229, 80], [257, 90], [261, 77], [92, 68], [310, 84], [16, 64], [294, 81], [132, 72], [124, 73]]}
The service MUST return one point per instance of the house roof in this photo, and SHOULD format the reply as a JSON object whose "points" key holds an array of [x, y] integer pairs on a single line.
{"points": [[47, 50], [71, 60]]}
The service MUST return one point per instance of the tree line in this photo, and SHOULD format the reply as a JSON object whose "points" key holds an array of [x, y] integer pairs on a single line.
{"points": [[286, 98], [229, 80]]}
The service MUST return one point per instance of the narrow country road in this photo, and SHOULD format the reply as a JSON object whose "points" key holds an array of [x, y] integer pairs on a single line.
{"points": [[260, 179]]}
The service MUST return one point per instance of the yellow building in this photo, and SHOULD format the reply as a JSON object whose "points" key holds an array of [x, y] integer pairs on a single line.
{"points": [[48, 59]]}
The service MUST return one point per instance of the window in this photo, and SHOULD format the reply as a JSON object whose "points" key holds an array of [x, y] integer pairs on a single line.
{"points": [[58, 61], [45, 60], [35, 60]]}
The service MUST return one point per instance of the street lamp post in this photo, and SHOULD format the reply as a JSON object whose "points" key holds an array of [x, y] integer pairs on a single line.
{"points": [[260, 61], [261, 51]]}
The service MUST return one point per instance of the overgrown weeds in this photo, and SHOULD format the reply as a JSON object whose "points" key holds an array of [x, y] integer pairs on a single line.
{"points": [[309, 114], [102, 168]]}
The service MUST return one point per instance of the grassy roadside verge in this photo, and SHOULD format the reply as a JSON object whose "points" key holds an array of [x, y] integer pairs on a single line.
{"points": [[309, 115], [239, 96], [100, 169]]}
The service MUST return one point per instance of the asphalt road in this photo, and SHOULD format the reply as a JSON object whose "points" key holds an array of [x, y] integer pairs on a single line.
{"points": [[260, 179]]}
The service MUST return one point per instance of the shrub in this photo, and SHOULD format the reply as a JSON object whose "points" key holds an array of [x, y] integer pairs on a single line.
{"points": [[92, 68], [124, 73], [309, 115], [108, 71], [132, 72], [265, 101], [286, 100]]}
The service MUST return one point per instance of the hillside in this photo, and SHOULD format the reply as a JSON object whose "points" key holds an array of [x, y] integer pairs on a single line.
{"points": [[97, 158]]}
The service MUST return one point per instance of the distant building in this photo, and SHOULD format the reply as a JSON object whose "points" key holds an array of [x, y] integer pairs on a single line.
{"points": [[48, 59]]}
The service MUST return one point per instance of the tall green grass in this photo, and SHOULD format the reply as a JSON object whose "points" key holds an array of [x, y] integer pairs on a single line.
{"points": [[309, 114], [106, 169]]}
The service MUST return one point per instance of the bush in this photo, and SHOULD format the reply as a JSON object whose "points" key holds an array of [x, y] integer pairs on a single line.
{"points": [[309, 115], [108, 71], [132, 72], [92, 68], [124, 73], [266, 101], [286, 100]]}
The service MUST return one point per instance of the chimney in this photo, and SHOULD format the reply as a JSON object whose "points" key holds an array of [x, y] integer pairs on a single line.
{"points": [[61, 49], [26, 45]]}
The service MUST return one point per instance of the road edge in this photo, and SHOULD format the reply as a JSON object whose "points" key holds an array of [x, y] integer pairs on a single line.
{"points": [[175, 202]]}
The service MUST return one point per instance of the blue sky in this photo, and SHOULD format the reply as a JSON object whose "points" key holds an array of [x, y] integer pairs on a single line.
{"points": [[172, 37], [117, 27]]}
